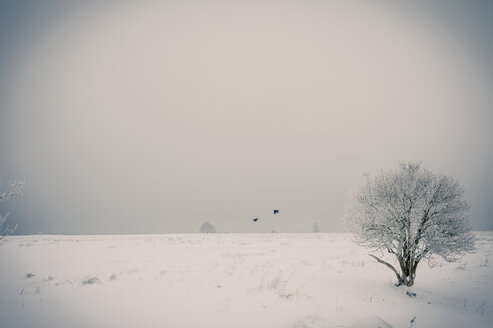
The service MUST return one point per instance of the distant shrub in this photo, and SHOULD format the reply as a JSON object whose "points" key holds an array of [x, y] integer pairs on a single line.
{"points": [[207, 227], [90, 281]]}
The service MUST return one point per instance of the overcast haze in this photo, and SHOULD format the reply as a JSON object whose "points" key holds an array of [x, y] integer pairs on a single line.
{"points": [[137, 117]]}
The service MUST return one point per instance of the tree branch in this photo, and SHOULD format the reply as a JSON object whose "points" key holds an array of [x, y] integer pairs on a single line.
{"points": [[388, 265]]}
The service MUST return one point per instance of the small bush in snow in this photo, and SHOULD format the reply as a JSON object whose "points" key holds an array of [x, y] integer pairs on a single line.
{"points": [[14, 188], [90, 281]]}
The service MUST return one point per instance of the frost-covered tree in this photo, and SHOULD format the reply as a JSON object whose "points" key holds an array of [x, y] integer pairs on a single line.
{"points": [[315, 227], [14, 188], [207, 227], [414, 215]]}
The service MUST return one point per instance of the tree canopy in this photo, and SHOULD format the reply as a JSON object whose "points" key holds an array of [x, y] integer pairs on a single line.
{"points": [[413, 214]]}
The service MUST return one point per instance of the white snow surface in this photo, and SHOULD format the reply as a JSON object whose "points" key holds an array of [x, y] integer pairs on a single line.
{"points": [[273, 280]]}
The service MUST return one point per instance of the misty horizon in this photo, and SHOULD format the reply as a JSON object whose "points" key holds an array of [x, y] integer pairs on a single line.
{"points": [[146, 118]]}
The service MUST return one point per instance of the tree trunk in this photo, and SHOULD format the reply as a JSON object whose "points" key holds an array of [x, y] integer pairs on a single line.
{"points": [[400, 281], [408, 271], [408, 281]]}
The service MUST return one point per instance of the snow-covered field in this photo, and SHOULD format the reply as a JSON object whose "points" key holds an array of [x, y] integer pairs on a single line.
{"points": [[231, 280]]}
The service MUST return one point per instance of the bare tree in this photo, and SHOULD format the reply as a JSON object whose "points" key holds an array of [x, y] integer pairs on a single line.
{"points": [[207, 227], [14, 188], [412, 214]]}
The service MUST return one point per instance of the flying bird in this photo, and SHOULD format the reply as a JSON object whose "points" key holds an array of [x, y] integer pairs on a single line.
{"points": [[276, 211], [255, 219]]}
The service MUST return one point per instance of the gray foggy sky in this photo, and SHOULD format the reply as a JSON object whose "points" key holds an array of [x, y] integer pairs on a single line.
{"points": [[139, 117]]}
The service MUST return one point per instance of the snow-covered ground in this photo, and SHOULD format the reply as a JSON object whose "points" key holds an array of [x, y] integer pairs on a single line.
{"points": [[231, 280]]}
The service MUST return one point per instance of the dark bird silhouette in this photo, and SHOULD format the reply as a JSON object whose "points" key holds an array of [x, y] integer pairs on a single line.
{"points": [[255, 219], [276, 211]]}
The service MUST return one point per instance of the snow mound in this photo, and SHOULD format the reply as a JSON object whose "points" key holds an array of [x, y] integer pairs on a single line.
{"points": [[370, 322]]}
